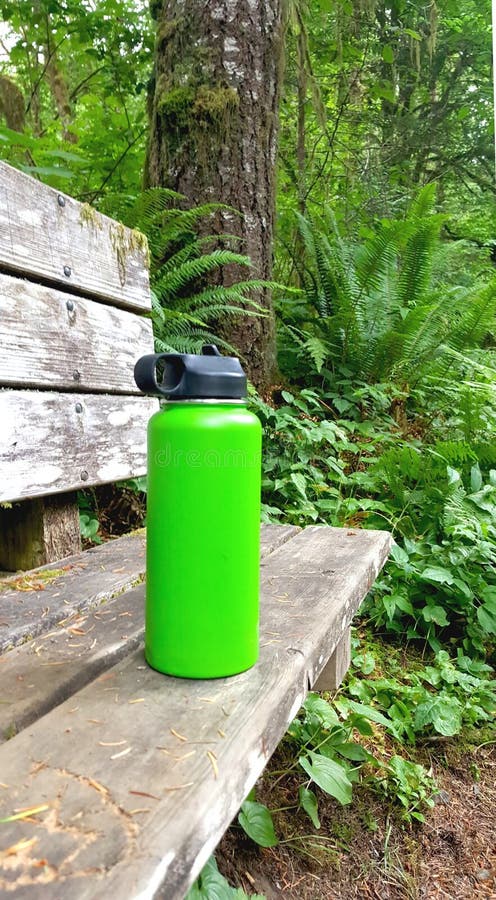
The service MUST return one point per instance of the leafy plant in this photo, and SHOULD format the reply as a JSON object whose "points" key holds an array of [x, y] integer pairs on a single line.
{"points": [[256, 820], [438, 698], [301, 465], [324, 752], [89, 525], [441, 581], [211, 885], [373, 307], [409, 783], [189, 298]]}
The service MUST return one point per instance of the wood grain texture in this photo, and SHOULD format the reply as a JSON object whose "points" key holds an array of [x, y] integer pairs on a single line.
{"points": [[337, 666], [86, 580], [142, 773], [82, 627], [37, 531], [42, 235], [50, 339], [52, 442]]}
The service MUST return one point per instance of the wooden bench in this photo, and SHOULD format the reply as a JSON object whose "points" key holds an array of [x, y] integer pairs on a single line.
{"points": [[116, 780], [73, 294]]}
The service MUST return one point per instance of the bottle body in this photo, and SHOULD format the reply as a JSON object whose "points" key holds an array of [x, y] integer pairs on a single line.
{"points": [[203, 539]]}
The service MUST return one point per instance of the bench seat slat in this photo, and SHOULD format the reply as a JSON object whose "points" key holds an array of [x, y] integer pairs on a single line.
{"points": [[47, 235], [50, 339], [82, 628], [142, 773], [52, 442]]}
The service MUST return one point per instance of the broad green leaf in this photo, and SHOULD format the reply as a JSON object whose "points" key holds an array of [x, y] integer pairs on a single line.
{"points": [[300, 483], [365, 662], [319, 707], [486, 619], [488, 595], [255, 819], [211, 885], [388, 54], [475, 479], [69, 157], [341, 404], [48, 170], [438, 574], [352, 751], [308, 802], [484, 499], [16, 138], [453, 475], [370, 713], [442, 712], [329, 775], [433, 613], [399, 555]]}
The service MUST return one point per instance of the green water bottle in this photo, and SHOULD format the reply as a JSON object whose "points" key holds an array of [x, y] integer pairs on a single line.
{"points": [[203, 516]]}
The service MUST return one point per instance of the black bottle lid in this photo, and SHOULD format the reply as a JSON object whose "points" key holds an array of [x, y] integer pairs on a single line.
{"points": [[188, 376]]}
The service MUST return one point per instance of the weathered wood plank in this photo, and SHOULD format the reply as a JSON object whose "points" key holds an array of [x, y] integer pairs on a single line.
{"points": [[45, 234], [336, 668], [142, 773], [43, 672], [84, 581], [52, 442], [38, 531], [51, 339]]}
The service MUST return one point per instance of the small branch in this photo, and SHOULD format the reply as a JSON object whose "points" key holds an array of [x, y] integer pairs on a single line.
{"points": [[116, 165], [45, 67]]}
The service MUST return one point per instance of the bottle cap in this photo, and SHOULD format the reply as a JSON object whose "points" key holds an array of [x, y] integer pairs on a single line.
{"points": [[190, 376]]}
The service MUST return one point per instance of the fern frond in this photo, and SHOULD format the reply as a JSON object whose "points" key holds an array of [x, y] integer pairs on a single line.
{"points": [[193, 269], [424, 202], [417, 261]]}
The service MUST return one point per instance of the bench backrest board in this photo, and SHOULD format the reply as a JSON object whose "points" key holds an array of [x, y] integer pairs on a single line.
{"points": [[74, 294]]}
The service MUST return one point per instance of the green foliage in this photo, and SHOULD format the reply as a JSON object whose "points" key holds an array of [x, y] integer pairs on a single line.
{"points": [[89, 528], [441, 582], [89, 525], [396, 84], [439, 698], [323, 737], [189, 298], [391, 332], [372, 308], [256, 821], [301, 467], [408, 783], [81, 71], [211, 885]]}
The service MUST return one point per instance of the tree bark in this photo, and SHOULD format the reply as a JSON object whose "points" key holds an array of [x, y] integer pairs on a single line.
{"points": [[214, 108]]}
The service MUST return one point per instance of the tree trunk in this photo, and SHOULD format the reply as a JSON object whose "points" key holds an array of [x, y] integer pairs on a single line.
{"points": [[214, 128]]}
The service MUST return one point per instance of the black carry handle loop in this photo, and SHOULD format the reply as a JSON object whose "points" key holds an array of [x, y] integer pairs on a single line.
{"points": [[210, 350], [145, 374]]}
